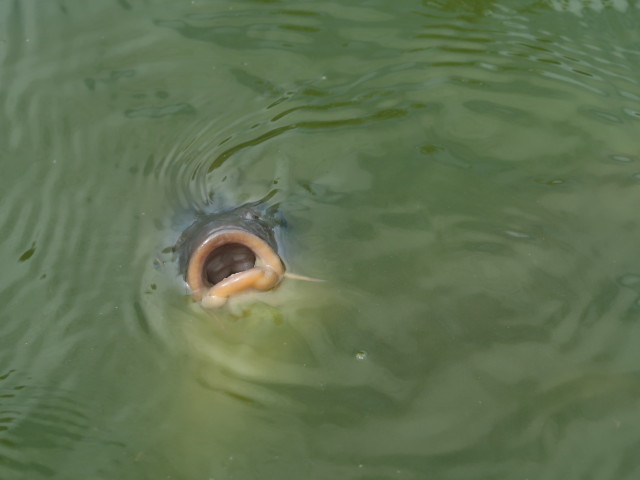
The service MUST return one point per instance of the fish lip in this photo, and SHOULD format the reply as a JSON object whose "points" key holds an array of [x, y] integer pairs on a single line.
{"points": [[245, 217]]}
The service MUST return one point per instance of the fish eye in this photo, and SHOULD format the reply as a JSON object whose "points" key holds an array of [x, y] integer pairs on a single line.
{"points": [[251, 215]]}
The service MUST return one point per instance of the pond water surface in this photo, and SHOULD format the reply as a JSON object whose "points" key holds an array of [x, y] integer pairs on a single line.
{"points": [[464, 175]]}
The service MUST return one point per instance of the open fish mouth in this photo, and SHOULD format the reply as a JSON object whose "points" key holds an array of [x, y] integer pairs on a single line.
{"points": [[231, 261], [227, 253], [231, 252], [227, 260]]}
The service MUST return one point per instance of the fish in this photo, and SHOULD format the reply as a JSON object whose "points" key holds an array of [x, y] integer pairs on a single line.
{"points": [[230, 252]]}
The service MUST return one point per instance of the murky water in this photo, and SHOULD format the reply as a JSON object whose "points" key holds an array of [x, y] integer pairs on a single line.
{"points": [[465, 175]]}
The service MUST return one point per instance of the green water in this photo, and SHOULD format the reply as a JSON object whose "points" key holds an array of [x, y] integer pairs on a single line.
{"points": [[465, 175]]}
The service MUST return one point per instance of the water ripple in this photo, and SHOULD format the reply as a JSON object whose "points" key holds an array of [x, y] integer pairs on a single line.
{"points": [[61, 420], [462, 173]]}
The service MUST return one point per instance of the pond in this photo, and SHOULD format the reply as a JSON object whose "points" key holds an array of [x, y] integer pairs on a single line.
{"points": [[464, 176]]}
